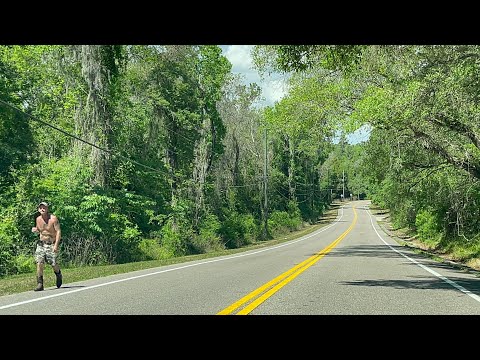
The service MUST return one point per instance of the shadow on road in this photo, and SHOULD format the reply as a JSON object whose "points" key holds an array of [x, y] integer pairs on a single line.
{"points": [[65, 287], [383, 251], [473, 285]]}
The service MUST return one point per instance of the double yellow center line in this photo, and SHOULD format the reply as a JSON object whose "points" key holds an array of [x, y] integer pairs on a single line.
{"points": [[251, 301]]}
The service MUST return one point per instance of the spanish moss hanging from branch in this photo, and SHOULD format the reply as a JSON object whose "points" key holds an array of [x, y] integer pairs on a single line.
{"points": [[98, 69]]}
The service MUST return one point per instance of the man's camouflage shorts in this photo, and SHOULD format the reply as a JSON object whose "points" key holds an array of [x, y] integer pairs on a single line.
{"points": [[45, 254]]}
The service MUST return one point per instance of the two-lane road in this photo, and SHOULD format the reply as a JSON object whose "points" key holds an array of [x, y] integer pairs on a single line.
{"points": [[348, 267]]}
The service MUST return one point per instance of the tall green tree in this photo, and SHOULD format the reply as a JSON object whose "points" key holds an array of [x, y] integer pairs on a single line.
{"points": [[100, 70], [212, 68]]}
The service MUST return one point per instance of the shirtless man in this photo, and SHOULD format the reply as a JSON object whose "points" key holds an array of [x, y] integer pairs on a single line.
{"points": [[48, 227]]}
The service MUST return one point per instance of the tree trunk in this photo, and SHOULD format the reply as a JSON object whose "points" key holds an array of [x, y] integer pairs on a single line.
{"points": [[202, 159], [291, 169], [95, 122]]}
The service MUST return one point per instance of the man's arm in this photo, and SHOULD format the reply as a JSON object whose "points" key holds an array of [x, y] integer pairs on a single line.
{"points": [[56, 225], [35, 228]]}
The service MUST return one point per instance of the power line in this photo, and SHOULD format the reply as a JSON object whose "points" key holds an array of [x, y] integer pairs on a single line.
{"points": [[79, 139], [106, 150], [263, 178]]}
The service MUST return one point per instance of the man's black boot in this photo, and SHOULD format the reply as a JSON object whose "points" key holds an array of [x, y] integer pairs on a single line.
{"points": [[39, 284], [59, 278]]}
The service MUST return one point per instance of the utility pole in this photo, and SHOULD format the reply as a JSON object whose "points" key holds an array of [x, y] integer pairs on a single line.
{"points": [[328, 186], [343, 181], [265, 205]]}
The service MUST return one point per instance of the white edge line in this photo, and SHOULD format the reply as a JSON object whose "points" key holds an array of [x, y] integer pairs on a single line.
{"points": [[448, 281], [177, 268]]}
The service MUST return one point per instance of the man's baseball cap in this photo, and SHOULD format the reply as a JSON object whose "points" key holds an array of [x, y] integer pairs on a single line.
{"points": [[43, 203]]}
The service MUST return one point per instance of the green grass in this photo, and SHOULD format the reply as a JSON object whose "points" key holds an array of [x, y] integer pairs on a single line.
{"points": [[27, 282], [464, 253], [461, 248]]}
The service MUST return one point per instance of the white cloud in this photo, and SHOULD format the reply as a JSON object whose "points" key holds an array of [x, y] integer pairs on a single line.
{"points": [[274, 87], [239, 56]]}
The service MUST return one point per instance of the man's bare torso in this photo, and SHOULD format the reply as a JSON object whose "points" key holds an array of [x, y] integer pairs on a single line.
{"points": [[47, 228]]}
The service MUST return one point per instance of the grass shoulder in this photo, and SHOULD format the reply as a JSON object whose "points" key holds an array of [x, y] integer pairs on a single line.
{"points": [[456, 253]]}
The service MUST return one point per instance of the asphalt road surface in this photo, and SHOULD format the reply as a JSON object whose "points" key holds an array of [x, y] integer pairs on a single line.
{"points": [[350, 267]]}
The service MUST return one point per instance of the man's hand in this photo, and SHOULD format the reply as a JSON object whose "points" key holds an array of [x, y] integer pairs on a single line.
{"points": [[34, 229]]}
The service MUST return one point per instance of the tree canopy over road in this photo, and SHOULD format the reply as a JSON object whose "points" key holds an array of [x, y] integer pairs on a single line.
{"points": [[152, 152]]}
